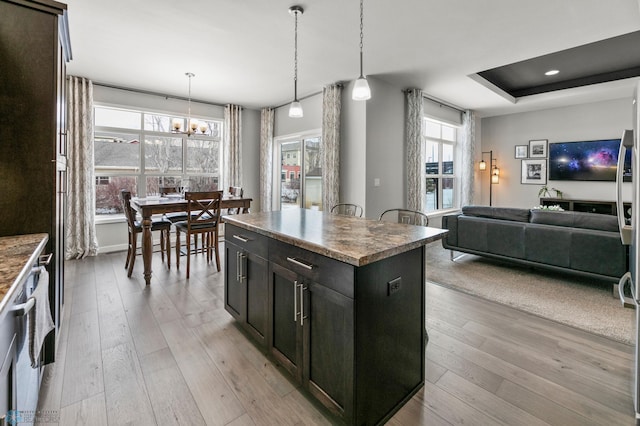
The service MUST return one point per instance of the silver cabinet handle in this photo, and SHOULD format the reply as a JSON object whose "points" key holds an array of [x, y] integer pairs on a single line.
{"points": [[45, 259], [240, 238], [300, 263], [295, 301], [302, 317], [241, 263], [238, 266], [23, 308]]}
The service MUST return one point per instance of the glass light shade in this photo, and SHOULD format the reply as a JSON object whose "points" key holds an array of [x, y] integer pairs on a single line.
{"points": [[361, 91], [496, 171], [295, 110], [495, 179], [176, 123], [482, 165]]}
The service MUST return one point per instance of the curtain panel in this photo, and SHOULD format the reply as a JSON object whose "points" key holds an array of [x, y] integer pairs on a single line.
{"points": [[330, 146], [416, 186], [81, 240], [467, 172], [266, 158], [233, 146]]}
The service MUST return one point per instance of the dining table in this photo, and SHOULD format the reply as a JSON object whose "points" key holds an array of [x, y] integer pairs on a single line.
{"points": [[149, 206]]}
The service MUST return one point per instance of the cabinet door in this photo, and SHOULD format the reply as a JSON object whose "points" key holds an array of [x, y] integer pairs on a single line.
{"points": [[254, 272], [285, 337], [328, 342], [234, 289]]}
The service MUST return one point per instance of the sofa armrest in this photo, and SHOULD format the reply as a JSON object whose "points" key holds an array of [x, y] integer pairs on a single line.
{"points": [[450, 222]]}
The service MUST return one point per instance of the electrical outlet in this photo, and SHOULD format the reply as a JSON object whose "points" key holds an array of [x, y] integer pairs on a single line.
{"points": [[393, 286]]}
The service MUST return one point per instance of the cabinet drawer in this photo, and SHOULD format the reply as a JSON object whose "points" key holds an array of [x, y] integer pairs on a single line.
{"points": [[246, 240], [331, 273]]}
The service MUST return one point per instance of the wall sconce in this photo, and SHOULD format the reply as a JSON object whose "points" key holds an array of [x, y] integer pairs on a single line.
{"points": [[495, 172]]}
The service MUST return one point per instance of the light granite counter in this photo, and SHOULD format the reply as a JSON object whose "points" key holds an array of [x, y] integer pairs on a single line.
{"points": [[352, 240], [17, 256]]}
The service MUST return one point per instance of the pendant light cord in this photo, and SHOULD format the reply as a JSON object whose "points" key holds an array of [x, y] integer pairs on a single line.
{"points": [[295, 59], [361, 34]]}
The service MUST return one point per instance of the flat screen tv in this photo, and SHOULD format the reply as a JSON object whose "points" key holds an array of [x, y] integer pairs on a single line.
{"points": [[595, 160]]}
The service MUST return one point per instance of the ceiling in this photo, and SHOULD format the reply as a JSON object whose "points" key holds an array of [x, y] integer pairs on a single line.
{"points": [[242, 51]]}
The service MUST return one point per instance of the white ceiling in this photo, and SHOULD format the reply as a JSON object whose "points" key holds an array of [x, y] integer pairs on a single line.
{"points": [[242, 50]]}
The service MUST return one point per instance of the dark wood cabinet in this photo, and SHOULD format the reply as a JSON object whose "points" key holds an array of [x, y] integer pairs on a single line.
{"points": [[312, 334], [247, 280], [35, 49], [351, 336]]}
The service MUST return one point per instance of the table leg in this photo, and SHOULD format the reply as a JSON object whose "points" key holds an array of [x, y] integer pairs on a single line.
{"points": [[147, 248]]}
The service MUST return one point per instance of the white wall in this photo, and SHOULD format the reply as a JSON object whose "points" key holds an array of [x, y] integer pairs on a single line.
{"points": [[385, 148], [601, 120], [353, 150]]}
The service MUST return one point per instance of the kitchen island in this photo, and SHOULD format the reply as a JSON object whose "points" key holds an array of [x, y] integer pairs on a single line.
{"points": [[337, 301]]}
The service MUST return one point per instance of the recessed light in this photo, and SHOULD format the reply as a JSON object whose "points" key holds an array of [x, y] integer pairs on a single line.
{"points": [[551, 72]]}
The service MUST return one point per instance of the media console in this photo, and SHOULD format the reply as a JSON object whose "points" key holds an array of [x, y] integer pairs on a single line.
{"points": [[589, 206]]}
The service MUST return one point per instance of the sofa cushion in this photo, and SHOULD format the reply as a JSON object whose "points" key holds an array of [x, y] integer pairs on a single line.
{"points": [[601, 222], [548, 245], [504, 213]]}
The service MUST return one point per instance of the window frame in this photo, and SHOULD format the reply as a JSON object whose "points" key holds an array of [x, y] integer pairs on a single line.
{"points": [[441, 175]]}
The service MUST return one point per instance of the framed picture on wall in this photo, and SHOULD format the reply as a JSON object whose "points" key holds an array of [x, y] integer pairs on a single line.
{"points": [[534, 172], [522, 151], [538, 148]]}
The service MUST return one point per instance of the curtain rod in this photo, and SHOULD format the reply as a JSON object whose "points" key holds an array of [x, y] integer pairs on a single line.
{"points": [[440, 102], [148, 92], [444, 104]]}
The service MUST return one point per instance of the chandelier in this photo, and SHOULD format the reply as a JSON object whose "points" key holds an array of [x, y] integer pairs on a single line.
{"points": [[192, 125]]}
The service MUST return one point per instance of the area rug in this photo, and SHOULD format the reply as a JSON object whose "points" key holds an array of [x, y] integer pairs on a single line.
{"points": [[583, 303]]}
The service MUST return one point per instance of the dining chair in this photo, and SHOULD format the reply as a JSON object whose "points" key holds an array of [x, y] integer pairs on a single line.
{"points": [[203, 216], [134, 227], [235, 191], [347, 209], [411, 217]]}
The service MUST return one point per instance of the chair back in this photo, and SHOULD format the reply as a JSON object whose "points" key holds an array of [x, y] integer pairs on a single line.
{"points": [[347, 209], [411, 217], [129, 212], [164, 190], [203, 209], [236, 191]]}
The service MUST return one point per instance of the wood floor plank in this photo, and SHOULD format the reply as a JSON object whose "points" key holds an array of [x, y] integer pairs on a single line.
{"points": [[216, 401], [170, 396], [482, 357], [551, 390], [90, 411], [540, 407], [257, 397], [465, 368], [415, 413], [83, 376], [126, 395]]}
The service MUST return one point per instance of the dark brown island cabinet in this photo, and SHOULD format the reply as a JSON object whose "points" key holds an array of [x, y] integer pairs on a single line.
{"points": [[33, 132], [338, 302]]}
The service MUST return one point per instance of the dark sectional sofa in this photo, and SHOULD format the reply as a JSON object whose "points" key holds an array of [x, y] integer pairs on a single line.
{"points": [[583, 243]]}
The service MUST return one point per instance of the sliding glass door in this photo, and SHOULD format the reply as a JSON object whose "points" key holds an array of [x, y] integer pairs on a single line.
{"points": [[299, 173]]}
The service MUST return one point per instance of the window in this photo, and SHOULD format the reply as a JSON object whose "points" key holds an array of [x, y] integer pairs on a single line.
{"points": [[440, 141], [136, 150]]}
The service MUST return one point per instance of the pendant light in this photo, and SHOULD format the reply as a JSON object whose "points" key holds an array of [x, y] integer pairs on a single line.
{"points": [[361, 91], [192, 125], [295, 110]]}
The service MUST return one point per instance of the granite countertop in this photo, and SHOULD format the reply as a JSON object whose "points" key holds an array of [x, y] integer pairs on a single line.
{"points": [[17, 255], [348, 239]]}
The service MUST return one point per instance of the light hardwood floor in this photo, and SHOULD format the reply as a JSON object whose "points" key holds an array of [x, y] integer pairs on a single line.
{"points": [[170, 354]]}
